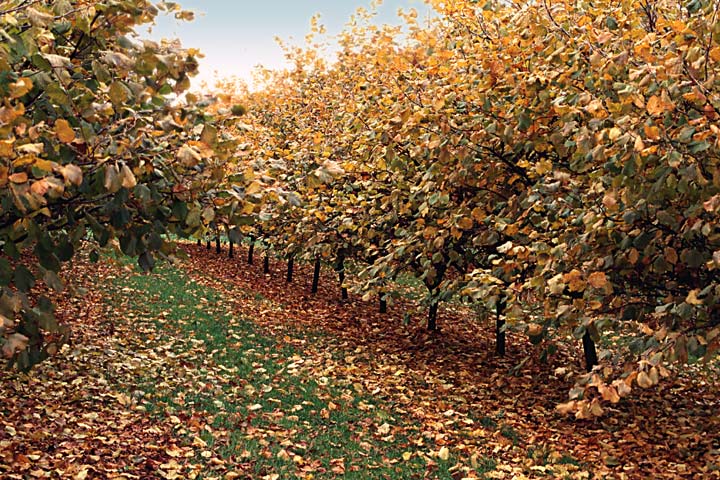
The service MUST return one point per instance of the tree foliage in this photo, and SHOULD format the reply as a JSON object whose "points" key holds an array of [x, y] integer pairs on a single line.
{"points": [[95, 148], [556, 159]]}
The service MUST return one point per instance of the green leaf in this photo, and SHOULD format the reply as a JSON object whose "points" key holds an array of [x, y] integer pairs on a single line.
{"points": [[6, 272], [23, 278]]}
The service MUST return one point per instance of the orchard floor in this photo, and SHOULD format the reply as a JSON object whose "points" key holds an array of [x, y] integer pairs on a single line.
{"points": [[216, 370]]}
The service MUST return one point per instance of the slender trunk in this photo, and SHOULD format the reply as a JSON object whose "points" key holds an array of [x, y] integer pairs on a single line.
{"points": [[217, 244], [432, 316], [290, 266], [343, 288], [591, 358], [251, 250], [199, 242], [341, 277], [209, 243], [266, 263], [383, 303], [316, 275], [500, 328], [231, 249]]}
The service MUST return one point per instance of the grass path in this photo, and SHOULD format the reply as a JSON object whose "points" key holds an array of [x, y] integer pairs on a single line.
{"points": [[254, 404]]}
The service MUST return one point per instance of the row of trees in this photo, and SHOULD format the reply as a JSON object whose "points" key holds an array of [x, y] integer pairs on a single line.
{"points": [[554, 162], [95, 149]]}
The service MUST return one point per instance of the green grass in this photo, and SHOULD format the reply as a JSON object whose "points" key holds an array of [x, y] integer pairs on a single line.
{"points": [[265, 408]]}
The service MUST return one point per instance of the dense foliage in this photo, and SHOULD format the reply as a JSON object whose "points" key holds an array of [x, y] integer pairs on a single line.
{"points": [[553, 161], [95, 148]]}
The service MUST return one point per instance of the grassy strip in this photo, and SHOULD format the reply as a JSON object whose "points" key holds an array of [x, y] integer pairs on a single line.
{"points": [[253, 399]]}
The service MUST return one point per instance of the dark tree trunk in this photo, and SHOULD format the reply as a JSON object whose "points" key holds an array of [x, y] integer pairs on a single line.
{"points": [[199, 242], [217, 244], [209, 243], [316, 276], [343, 289], [383, 303], [266, 263], [500, 329], [290, 266], [341, 276], [432, 316], [231, 249], [591, 358], [251, 250]]}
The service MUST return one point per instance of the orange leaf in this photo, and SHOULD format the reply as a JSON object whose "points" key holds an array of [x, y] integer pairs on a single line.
{"points": [[63, 131], [598, 279], [20, 177]]}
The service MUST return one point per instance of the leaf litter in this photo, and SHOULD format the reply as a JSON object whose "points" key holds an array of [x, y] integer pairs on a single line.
{"points": [[239, 375]]}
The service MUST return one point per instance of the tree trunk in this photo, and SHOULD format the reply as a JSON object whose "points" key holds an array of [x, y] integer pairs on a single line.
{"points": [[290, 266], [343, 289], [432, 316], [591, 358], [266, 263], [316, 276], [341, 277], [209, 243], [251, 250], [383, 303], [199, 242], [500, 328], [217, 244], [231, 249]]}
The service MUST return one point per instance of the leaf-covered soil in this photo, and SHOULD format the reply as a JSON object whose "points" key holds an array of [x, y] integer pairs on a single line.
{"points": [[224, 372]]}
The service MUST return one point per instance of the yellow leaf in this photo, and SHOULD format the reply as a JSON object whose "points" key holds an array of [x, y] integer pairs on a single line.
{"points": [[643, 380], [478, 214], [543, 167], [692, 297], [128, 178], [654, 105], [82, 474], [566, 408], [639, 144], [6, 148], [254, 187], [715, 54], [651, 132], [444, 454], [44, 165], [609, 393], [465, 223], [614, 133], [556, 284], [21, 87], [63, 131]]}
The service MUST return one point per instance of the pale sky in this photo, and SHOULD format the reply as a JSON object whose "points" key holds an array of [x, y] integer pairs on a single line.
{"points": [[236, 35]]}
